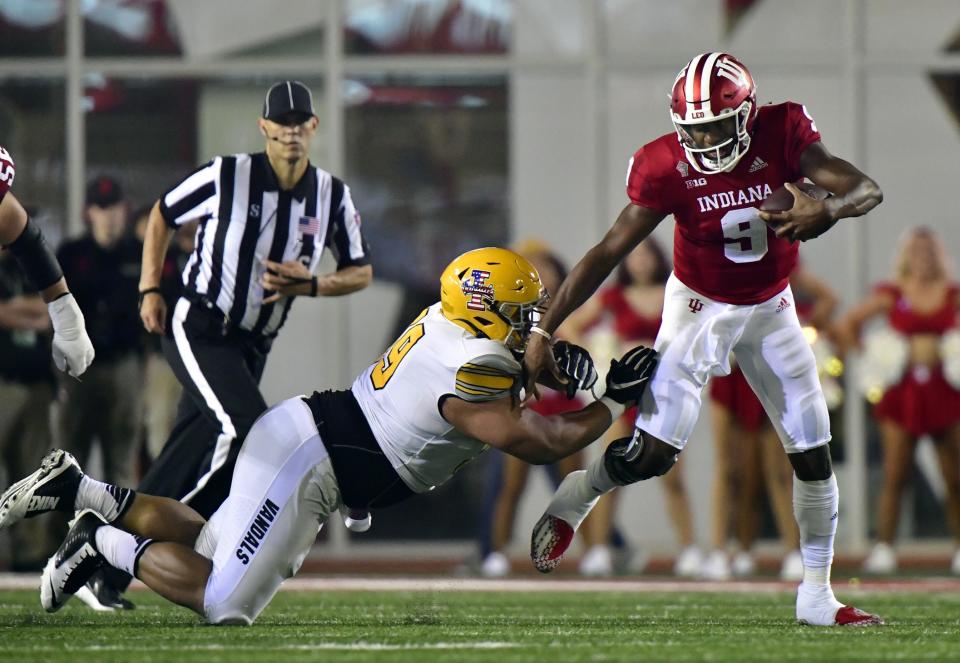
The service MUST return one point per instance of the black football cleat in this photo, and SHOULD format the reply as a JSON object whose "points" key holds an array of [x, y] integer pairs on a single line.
{"points": [[53, 487], [74, 563], [100, 595]]}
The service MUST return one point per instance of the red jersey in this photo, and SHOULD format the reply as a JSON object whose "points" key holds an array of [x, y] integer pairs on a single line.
{"points": [[7, 172], [908, 321], [721, 248]]}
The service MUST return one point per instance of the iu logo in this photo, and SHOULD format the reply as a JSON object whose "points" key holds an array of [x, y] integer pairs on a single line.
{"points": [[477, 288], [695, 305]]}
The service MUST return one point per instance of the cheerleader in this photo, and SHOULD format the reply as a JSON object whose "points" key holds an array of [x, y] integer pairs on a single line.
{"points": [[908, 372]]}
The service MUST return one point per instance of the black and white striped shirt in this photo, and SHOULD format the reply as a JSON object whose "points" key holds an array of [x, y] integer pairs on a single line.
{"points": [[244, 218]]}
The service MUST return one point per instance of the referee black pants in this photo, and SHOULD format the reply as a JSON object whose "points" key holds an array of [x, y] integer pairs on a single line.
{"points": [[220, 371]]}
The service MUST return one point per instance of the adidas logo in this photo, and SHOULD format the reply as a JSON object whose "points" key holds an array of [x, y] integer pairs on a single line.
{"points": [[42, 503], [758, 164], [783, 305]]}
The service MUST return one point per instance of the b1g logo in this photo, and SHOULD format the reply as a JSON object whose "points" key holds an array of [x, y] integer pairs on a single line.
{"points": [[477, 288]]}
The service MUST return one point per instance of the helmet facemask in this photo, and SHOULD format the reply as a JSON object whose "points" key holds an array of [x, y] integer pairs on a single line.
{"points": [[724, 156], [520, 318]]}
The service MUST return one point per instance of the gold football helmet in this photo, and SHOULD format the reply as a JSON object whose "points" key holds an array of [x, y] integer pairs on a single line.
{"points": [[493, 293]]}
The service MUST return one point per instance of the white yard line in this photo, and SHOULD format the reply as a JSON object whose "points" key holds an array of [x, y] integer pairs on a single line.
{"points": [[11, 581]]}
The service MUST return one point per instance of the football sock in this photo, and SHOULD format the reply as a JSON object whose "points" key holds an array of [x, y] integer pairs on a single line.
{"points": [[108, 500], [599, 479], [121, 549], [815, 506]]}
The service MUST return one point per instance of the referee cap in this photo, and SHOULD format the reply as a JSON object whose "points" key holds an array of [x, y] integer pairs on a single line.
{"points": [[288, 97]]}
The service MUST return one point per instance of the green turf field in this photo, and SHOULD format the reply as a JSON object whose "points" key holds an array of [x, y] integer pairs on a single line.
{"points": [[485, 626]]}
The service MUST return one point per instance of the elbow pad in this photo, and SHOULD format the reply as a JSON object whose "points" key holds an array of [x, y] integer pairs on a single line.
{"points": [[35, 257]]}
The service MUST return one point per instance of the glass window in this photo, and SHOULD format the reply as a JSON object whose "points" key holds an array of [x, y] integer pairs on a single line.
{"points": [[31, 28], [150, 133], [134, 27], [427, 26], [211, 28], [427, 164], [32, 121]]}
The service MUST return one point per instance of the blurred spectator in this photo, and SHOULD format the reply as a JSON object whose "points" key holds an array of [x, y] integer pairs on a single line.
{"points": [[26, 392], [162, 390], [509, 474], [920, 304], [634, 305], [103, 267], [749, 453]]}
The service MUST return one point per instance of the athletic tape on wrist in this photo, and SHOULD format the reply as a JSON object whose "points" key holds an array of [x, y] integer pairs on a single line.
{"points": [[541, 332], [616, 409]]}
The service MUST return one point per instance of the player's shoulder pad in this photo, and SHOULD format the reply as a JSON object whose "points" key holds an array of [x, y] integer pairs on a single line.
{"points": [[488, 377], [655, 159]]}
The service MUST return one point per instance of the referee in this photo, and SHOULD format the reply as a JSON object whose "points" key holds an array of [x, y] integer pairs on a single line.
{"points": [[264, 220]]}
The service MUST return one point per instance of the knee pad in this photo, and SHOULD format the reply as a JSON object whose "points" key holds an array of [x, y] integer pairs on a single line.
{"points": [[813, 464], [632, 459]]}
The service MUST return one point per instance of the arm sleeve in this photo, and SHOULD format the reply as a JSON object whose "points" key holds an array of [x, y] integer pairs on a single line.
{"points": [[800, 133], [488, 378], [194, 197], [645, 181], [345, 238], [7, 172]]}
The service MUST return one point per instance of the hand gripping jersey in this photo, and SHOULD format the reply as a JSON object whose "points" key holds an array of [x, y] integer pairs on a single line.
{"points": [[401, 393], [722, 249], [7, 172]]}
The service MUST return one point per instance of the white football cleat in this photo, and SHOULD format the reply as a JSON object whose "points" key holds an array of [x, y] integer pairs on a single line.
{"points": [[817, 606], [882, 560], [73, 564], [53, 487], [553, 533]]}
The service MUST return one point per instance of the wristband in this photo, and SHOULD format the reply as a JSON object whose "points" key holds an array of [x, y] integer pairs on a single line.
{"points": [[616, 409], [541, 332], [313, 286], [144, 293]]}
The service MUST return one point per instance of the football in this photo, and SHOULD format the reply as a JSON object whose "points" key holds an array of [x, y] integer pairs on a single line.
{"points": [[781, 199]]}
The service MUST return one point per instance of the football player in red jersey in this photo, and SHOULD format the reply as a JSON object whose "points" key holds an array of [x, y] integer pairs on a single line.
{"points": [[72, 350], [729, 293]]}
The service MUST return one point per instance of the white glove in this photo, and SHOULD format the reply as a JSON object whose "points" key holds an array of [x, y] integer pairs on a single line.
{"points": [[72, 349]]}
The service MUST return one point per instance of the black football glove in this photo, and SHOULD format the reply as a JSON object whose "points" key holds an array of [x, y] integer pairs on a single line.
{"points": [[576, 364], [628, 376]]}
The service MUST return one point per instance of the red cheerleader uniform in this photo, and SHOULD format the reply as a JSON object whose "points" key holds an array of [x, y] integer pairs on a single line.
{"points": [[923, 402], [629, 325]]}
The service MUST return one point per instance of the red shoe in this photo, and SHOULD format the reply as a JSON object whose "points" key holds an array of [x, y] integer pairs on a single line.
{"points": [[551, 538], [850, 616]]}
